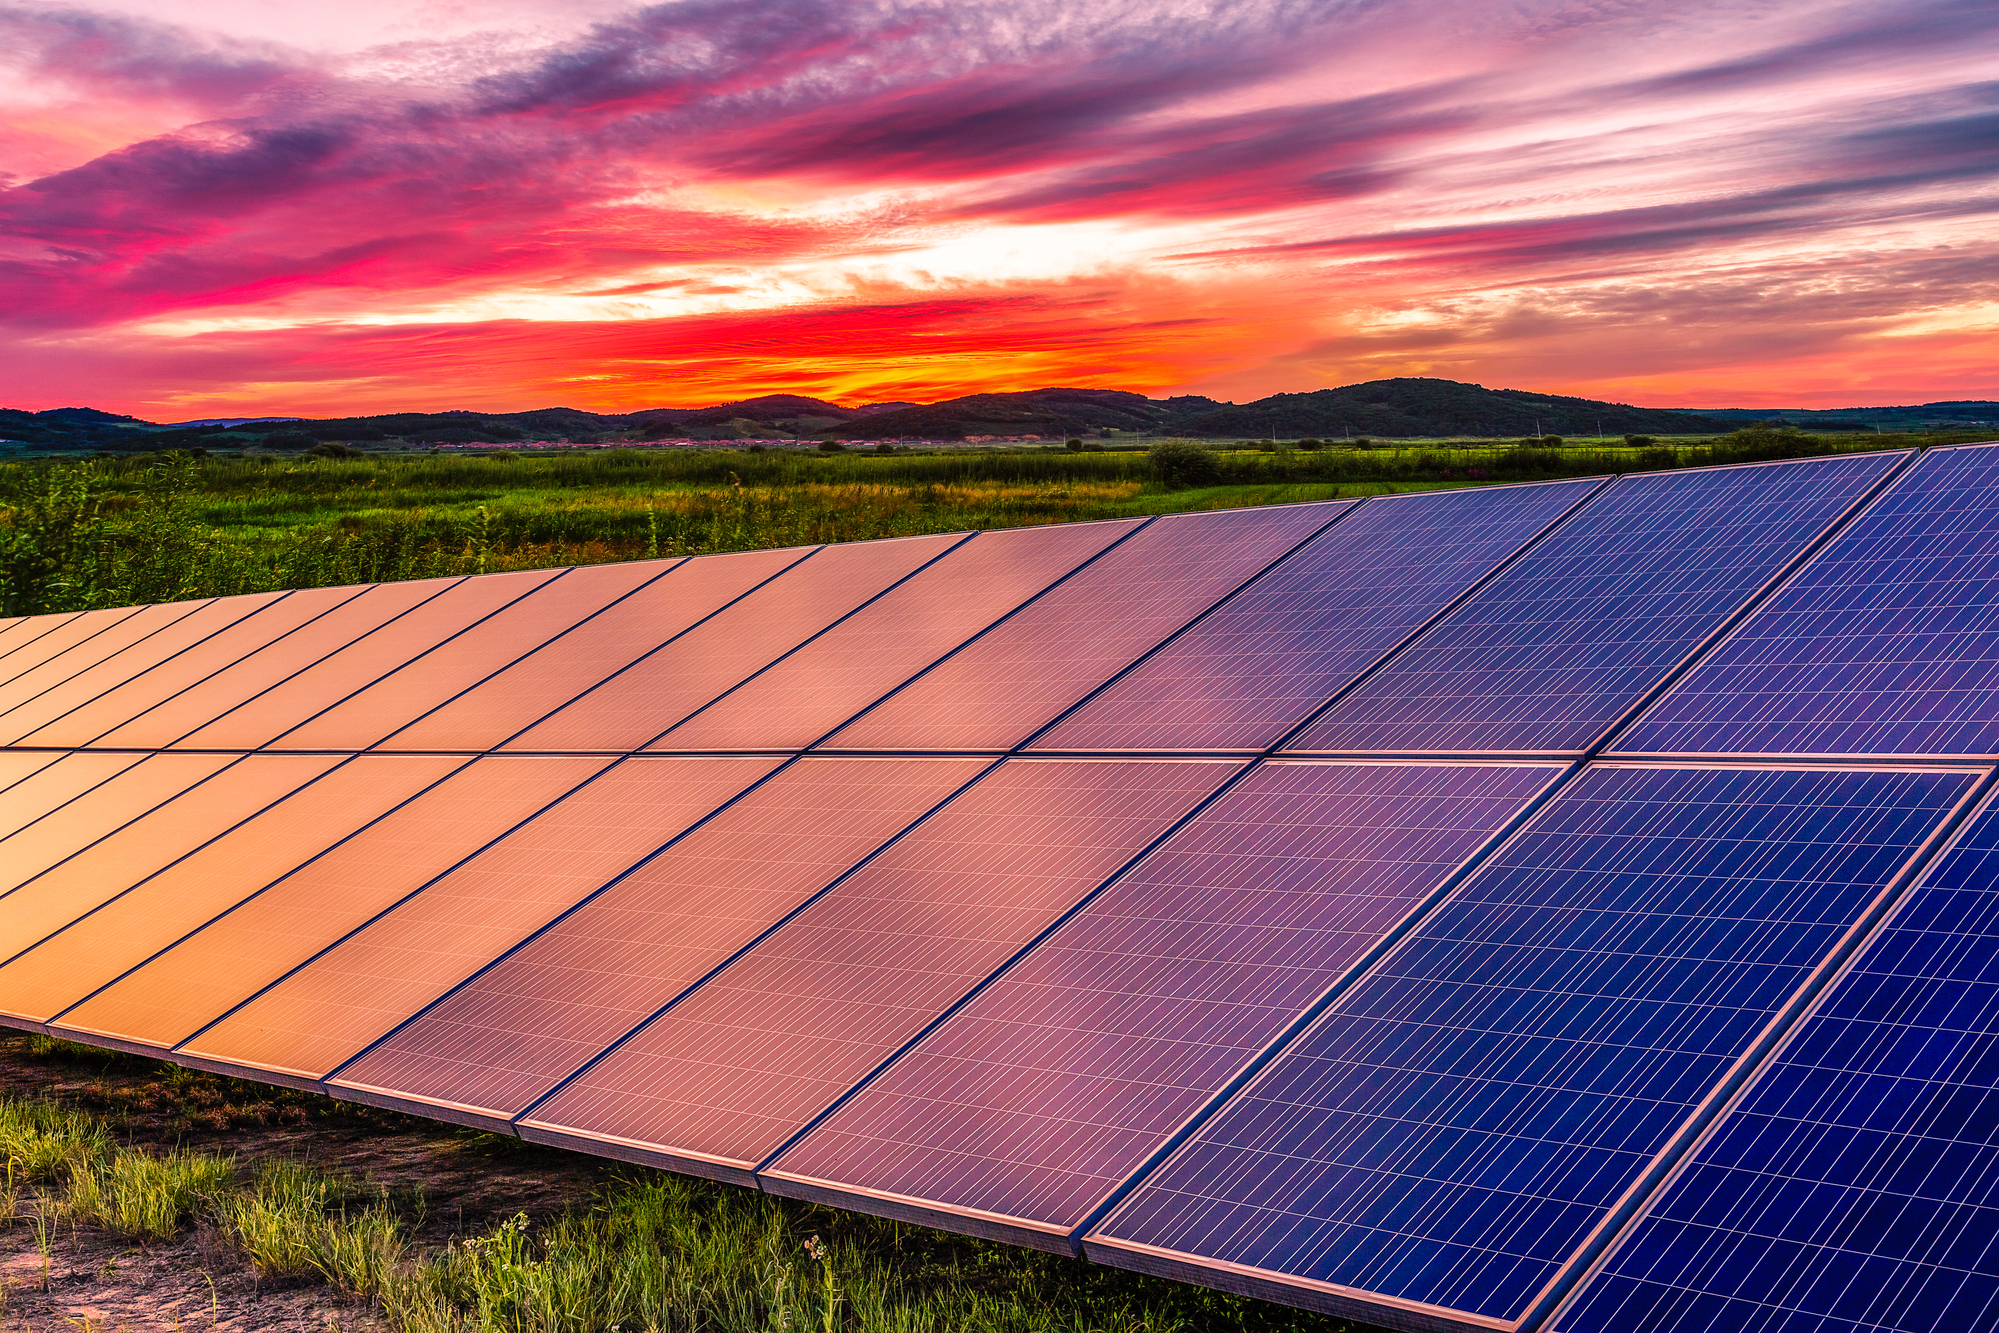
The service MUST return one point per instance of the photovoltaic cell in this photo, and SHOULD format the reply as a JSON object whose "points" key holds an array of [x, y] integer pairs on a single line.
{"points": [[1267, 657], [1453, 1128], [184, 636], [1018, 676], [723, 1078], [156, 685], [329, 1010], [1851, 1191], [225, 963], [215, 695], [38, 782], [464, 660], [808, 693], [1887, 643], [1034, 1101], [58, 896], [112, 643], [63, 633], [509, 1035], [126, 791], [1567, 639], [149, 917], [636, 705], [608, 643], [261, 720]]}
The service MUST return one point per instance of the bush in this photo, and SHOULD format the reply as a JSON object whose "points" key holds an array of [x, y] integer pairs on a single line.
{"points": [[1363, 443], [1178, 463], [1551, 441], [1640, 441], [332, 449], [1074, 446], [1308, 444], [1657, 460], [832, 447]]}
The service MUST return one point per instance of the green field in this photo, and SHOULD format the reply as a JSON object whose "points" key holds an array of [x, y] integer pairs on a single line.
{"points": [[116, 531]]}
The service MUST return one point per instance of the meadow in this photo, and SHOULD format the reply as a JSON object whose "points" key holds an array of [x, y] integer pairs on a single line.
{"points": [[116, 531]]}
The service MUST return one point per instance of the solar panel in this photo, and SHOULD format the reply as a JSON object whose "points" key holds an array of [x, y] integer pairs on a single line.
{"points": [[636, 705], [18, 766], [811, 691], [112, 643], [214, 695], [1852, 1190], [1024, 1111], [464, 660], [1009, 682], [29, 630], [105, 807], [490, 1049], [158, 910], [1244, 676], [39, 783], [1887, 643], [260, 720], [1546, 657], [1450, 1133], [154, 686], [226, 962], [65, 633], [720, 1081], [329, 1010], [185, 635]]}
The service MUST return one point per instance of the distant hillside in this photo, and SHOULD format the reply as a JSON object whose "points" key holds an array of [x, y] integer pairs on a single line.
{"points": [[1387, 409]]}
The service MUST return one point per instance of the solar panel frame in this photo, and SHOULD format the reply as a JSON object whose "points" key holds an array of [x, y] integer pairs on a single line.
{"points": [[1041, 1233], [1058, 738], [1566, 1314], [1399, 1312], [1629, 738], [1307, 737]]}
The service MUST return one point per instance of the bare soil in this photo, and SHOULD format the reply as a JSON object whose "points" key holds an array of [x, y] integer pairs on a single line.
{"points": [[451, 1181]]}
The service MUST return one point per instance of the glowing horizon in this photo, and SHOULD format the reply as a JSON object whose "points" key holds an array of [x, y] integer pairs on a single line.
{"points": [[244, 208]]}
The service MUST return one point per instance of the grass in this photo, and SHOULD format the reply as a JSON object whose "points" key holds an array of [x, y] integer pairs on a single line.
{"points": [[126, 530], [649, 1253]]}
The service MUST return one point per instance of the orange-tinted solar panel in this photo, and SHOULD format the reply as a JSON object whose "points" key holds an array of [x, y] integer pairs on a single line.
{"points": [[366, 660], [194, 890], [232, 959], [607, 643], [183, 637], [463, 661], [812, 691], [214, 696], [63, 633], [326, 1012], [86, 722], [28, 630], [509, 1035], [108, 805], [148, 844], [36, 788], [636, 705], [110, 642]]}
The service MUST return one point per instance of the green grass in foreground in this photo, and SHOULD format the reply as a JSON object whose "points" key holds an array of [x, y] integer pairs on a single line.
{"points": [[651, 1252], [129, 530]]}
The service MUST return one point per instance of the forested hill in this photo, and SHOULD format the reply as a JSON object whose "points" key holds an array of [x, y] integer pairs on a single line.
{"points": [[1394, 408]]}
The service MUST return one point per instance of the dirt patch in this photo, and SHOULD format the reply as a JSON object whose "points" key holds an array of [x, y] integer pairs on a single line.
{"points": [[446, 1182]]}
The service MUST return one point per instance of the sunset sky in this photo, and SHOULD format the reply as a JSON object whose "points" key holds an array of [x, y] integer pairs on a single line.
{"points": [[221, 207]]}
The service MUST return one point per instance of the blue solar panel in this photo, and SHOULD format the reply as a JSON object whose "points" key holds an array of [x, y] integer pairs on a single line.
{"points": [[1267, 657], [1852, 1191], [1452, 1130], [1562, 644], [1887, 643]]}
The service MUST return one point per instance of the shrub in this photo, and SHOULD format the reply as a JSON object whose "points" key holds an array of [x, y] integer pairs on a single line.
{"points": [[1308, 444], [1640, 441], [832, 447], [1074, 446], [1363, 443], [1654, 460], [1177, 463], [332, 449], [1551, 441]]}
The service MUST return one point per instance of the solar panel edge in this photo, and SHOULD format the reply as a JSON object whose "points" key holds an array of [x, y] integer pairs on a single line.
{"points": [[1377, 1308], [728, 1171], [923, 1212], [996, 1226], [17, 669], [1983, 800], [186, 1057], [54, 1020], [553, 577], [1339, 510], [193, 606], [1882, 494], [1744, 612]]}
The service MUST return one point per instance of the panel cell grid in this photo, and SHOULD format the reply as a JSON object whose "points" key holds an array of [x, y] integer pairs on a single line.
{"points": [[114, 643], [1453, 1128], [1853, 1189], [1559, 646], [1281, 647], [719, 1081], [1034, 1101], [1887, 643], [1002, 687]]}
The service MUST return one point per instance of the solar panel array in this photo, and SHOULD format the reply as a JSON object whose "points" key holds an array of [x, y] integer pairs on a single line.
{"points": [[1561, 907]]}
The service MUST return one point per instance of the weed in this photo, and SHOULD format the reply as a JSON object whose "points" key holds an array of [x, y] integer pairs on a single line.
{"points": [[135, 1193]]}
